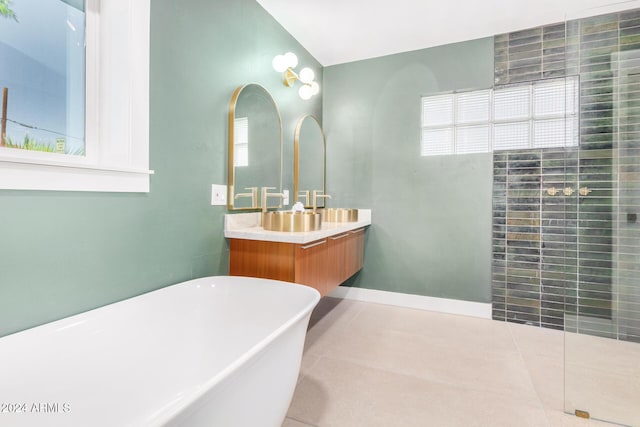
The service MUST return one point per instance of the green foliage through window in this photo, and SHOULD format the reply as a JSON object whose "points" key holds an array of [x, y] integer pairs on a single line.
{"points": [[6, 11]]}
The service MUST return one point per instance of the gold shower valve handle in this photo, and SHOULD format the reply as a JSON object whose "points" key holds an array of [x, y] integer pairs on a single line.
{"points": [[584, 191], [552, 191], [568, 191]]}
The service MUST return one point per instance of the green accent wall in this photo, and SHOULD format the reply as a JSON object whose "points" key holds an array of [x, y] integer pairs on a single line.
{"points": [[65, 252], [431, 232]]}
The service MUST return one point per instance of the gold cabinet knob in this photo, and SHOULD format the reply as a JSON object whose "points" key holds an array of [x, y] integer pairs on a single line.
{"points": [[568, 191], [552, 191]]}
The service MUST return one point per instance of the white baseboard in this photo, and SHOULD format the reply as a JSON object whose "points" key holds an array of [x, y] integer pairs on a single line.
{"points": [[420, 302]]}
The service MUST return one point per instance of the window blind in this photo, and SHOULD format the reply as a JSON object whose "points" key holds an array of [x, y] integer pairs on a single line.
{"points": [[540, 114], [472, 139], [241, 141], [473, 107], [511, 136], [512, 103], [437, 141], [437, 110]]}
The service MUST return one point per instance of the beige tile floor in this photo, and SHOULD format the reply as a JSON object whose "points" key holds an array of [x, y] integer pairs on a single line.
{"points": [[375, 365]]}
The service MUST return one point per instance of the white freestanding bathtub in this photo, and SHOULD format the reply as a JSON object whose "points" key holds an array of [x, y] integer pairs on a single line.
{"points": [[215, 352]]}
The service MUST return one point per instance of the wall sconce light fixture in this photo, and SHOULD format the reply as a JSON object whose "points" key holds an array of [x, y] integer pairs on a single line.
{"points": [[285, 64]]}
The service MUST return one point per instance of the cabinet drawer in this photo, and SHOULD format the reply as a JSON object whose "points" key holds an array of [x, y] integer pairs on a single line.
{"points": [[311, 265], [323, 264], [257, 258]]}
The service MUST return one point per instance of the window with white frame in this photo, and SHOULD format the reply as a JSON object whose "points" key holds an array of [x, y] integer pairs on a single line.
{"points": [[539, 114], [106, 148], [43, 109]]}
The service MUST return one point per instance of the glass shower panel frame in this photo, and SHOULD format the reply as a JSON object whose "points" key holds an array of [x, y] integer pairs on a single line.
{"points": [[627, 228], [602, 313]]}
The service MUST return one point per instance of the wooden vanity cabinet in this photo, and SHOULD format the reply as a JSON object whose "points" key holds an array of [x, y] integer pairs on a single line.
{"points": [[259, 258], [311, 265], [323, 264], [355, 252], [346, 256]]}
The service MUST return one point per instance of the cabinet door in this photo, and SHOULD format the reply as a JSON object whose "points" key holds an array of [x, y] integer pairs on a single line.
{"points": [[311, 265], [354, 252], [256, 258], [337, 266]]}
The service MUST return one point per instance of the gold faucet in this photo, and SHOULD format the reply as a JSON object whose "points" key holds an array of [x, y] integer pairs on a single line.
{"points": [[265, 195], [253, 194], [315, 198], [306, 196]]}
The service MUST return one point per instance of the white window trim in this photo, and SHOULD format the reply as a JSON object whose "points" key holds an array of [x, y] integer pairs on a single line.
{"points": [[117, 111]]}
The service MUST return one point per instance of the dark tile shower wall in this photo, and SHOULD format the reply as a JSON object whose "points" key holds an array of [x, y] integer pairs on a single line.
{"points": [[534, 236], [548, 246], [533, 54]]}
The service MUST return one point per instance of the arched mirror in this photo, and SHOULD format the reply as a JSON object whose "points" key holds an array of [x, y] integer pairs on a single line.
{"points": [[308, 160], [255, 146]]}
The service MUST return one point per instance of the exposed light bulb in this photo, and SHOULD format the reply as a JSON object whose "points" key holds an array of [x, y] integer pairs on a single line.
{"points": [[306, 75], [285, 64], [305, 92], [315, 88], [291, 60], [279, 63]]}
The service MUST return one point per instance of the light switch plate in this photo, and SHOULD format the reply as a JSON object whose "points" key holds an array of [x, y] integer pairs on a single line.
{"points": [[218, 194], [285, 199]]}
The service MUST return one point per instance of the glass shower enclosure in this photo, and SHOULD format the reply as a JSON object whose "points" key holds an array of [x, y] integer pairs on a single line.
{"points": [[602, 250]]}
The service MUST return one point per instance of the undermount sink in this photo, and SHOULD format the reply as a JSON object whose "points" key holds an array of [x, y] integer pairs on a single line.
{"points": [[291, 221], [339, 215]]}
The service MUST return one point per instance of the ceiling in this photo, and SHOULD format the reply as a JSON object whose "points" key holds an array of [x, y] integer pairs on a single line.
{"points": [[339, 31]]}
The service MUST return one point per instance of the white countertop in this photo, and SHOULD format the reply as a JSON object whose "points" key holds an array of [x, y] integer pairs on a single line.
{"points": [[247, 226]]}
